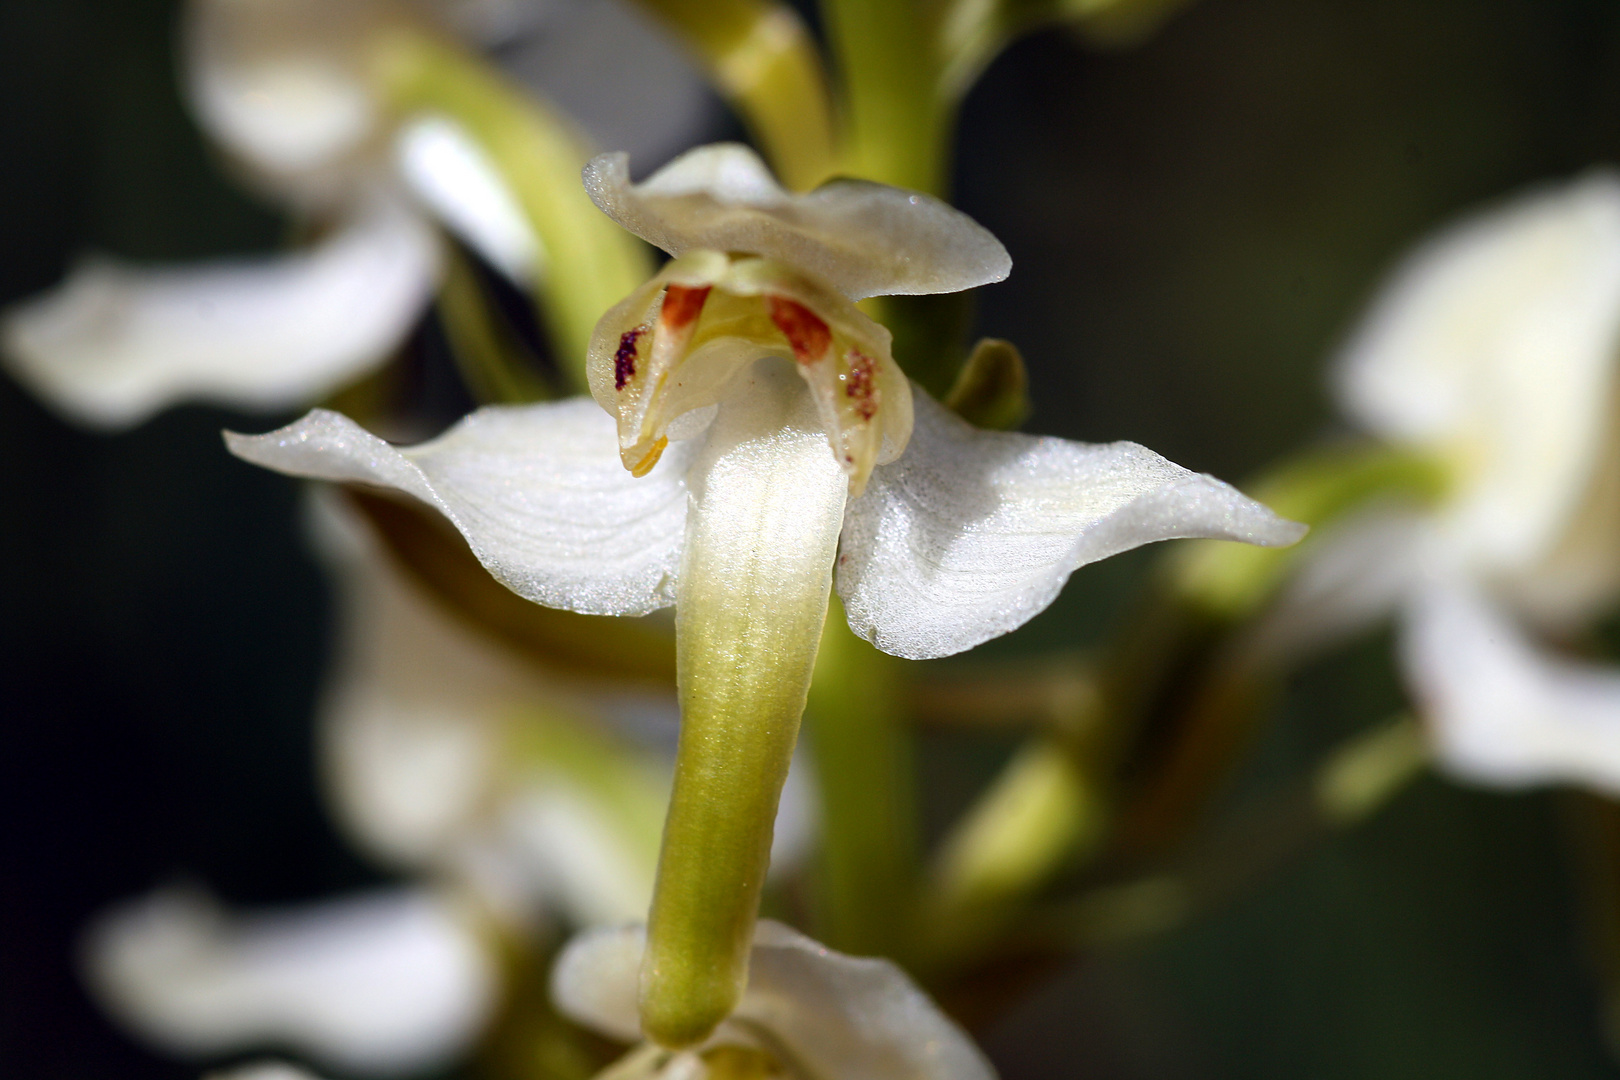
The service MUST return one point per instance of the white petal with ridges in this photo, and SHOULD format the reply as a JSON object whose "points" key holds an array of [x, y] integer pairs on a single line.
{"points": [[380, 984], [863, 239], [1494, 344], [1500, 711], [826, 1014], [537, 490], [972, 533], [115, 343]]}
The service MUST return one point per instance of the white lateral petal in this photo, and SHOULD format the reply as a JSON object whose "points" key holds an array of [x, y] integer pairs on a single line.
{"points": [[114, 343], [972, 533], [537, 490], [384, 983], [1500, 711], [827, 1014], [451, 173], [1494, 345], [863, 239]]}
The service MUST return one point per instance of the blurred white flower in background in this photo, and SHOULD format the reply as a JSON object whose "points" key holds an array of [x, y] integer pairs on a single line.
{"points": [[808, 1013], [284, 89], [445, 756], [1494, 350], [445, 752], [380, 984]]}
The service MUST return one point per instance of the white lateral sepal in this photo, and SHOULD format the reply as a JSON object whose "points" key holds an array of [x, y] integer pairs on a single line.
{"points": [[972, 533], [537, 491]]}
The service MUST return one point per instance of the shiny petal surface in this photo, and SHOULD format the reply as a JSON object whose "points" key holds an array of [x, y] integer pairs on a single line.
{"points": [[824, 1013], [451, 174], [537, 491], [861, 238], [115, 343], [1494, 345], [972, 533], [1500, 711], [378, 984]]}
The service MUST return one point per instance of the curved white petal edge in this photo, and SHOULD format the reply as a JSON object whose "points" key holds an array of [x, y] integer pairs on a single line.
{"points": [[378, 984], [863, 239], [972, 533], [826, 1014], [115, 343], [453, 176], [537, 490], [1493, 345], [1500, 711]]}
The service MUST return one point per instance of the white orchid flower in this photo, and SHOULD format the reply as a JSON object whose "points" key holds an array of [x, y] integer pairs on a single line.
{"points": [[294, 93], [1494, 350], [772, 444], [807, 1012], [380, 984]]}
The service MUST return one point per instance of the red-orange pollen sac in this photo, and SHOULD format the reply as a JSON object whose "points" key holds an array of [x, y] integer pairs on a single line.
{"points": [[860, 385], [624, 360], [803, 328], [682, 306]]}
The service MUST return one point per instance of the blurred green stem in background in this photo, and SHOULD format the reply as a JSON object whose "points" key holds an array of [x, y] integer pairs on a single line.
{"points": [[1042, 810], [762, 59], [490, 362], [1368, 769], [1352, 782], [590, 263], [865, 772]]}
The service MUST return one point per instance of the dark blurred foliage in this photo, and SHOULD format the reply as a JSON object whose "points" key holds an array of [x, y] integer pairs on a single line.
{"points": [[1193, 224]]}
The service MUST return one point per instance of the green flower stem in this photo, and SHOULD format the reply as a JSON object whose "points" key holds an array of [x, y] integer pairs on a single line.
{"points": [[1365, 771], [591, 263], [485, 355], [864, 767], [899, 125], [1040, 811], [766, 508], [764, 61]]}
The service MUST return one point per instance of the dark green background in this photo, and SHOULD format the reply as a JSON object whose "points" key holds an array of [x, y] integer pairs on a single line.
{"points": [[1193, 225]]}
